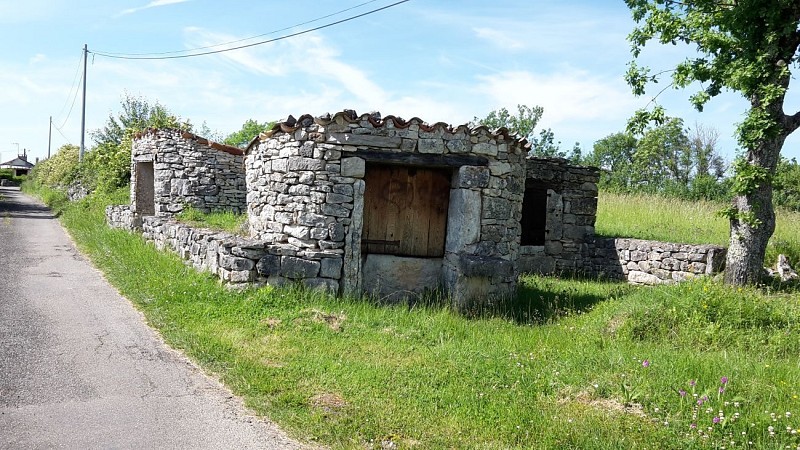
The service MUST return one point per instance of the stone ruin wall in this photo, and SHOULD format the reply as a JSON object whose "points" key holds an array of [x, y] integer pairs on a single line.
{"points": [[570, 216], [235, 259], [305, 199], [651, 262], [189, 170], [306, 189]]}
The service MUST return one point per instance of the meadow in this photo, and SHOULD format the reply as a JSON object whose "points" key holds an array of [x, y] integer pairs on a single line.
{"points": [[569, 363]]}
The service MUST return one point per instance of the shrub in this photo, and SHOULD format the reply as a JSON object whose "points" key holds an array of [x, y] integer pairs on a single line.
{"points": [[59, 170]]}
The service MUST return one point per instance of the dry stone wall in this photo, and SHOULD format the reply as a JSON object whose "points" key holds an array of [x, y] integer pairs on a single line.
{"points": [[121, 216], [303, 185], [189, 170], [652, 262], [570, 216], [306, 187], [238, 260]]}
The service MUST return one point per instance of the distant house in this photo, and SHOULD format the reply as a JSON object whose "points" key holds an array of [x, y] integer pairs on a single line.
{"points": [[19, 165]]}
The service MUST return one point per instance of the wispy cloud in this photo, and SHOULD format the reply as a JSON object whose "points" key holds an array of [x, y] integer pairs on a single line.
{"points": [[37, 58], [577, 104], [153, 4], [499, 39], [291, 58]]}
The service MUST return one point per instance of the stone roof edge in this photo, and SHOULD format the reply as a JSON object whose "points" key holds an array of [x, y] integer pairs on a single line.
{"points": [[291, 124], [562, 162], [236, 151]]}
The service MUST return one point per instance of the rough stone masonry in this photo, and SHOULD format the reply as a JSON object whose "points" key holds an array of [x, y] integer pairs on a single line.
{"points": [[456, 209]]}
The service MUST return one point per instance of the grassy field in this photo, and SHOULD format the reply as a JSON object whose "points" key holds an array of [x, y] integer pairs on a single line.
{"points": [[569, 364], [673, 220]]}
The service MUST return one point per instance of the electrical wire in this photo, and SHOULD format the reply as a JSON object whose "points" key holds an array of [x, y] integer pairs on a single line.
{"points": [[62, 134], [243, 39], [75, 97], [75, 81], [116, 56]]}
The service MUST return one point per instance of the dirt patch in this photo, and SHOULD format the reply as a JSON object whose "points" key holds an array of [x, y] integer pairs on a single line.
{"points": [[615, 324], [328, 402], [270, 322], [606, 404], [333, 320]]}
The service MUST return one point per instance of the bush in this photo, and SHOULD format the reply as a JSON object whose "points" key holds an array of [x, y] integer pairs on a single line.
{"points": [[59, 170], [8, 174], [107, 167]]}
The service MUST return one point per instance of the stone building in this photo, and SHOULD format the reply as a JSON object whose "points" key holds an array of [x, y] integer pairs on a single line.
{"points": [[387, 207], [171, 169], [559, 211]]}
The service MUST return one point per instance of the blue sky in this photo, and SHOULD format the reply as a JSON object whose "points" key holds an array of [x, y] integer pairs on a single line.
{"points": [[437, 60]]}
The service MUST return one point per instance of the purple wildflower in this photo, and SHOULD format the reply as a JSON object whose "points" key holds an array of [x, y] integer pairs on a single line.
{"points": [[715, 419], [721, 390], [692, 383], [700, 402], [646, 363], [682, 393], [724, 380], [693, 426]]}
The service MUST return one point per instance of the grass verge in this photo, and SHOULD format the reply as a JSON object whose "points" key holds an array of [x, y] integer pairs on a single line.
{"points": [[570, 364]]}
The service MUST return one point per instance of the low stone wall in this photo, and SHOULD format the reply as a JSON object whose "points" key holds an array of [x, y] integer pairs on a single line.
{"points": [[634, 260], [236, 260], [652, 262], [120, 216]]}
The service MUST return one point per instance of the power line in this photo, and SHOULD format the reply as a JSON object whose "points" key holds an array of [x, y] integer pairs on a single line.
{"points": [[243, 39], [75, 97], [117, 56], [74, 84], [62, 134]]}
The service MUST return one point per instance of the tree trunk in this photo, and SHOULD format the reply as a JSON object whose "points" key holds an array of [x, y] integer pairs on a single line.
{"points": [[748, 245]]}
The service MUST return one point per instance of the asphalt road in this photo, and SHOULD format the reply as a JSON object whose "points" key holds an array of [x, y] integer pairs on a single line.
{"points": [[80, 369]]}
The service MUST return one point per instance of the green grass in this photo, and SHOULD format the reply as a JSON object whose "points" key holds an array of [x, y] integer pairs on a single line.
{"points": [[218, 220], [563, 366], [673, 220]]}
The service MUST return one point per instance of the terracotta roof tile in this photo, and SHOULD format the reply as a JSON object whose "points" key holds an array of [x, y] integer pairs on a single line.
{"points": [[291, 124], [200, 140]]}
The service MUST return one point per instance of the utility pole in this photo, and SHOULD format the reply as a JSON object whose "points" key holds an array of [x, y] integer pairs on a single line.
{"points": [[83, 112], [49, 136]]}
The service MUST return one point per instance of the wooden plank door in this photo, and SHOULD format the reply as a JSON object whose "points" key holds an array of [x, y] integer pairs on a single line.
{"points": [[405, 210]]}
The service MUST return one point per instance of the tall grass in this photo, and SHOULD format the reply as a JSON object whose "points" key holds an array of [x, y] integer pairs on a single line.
{"points": [[672, 220], [569, 364], [219, 220]]}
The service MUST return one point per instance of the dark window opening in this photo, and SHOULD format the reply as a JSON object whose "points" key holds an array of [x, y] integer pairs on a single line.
{"points": [[405, 210], [534, 216]]}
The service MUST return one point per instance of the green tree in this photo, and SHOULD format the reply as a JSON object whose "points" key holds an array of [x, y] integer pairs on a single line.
{"points": [[250, 129], [668, 160], [107, 165], [614, 155], [136, 114], [746, 46], [663, 158], [524, 124], [787, 184]]}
